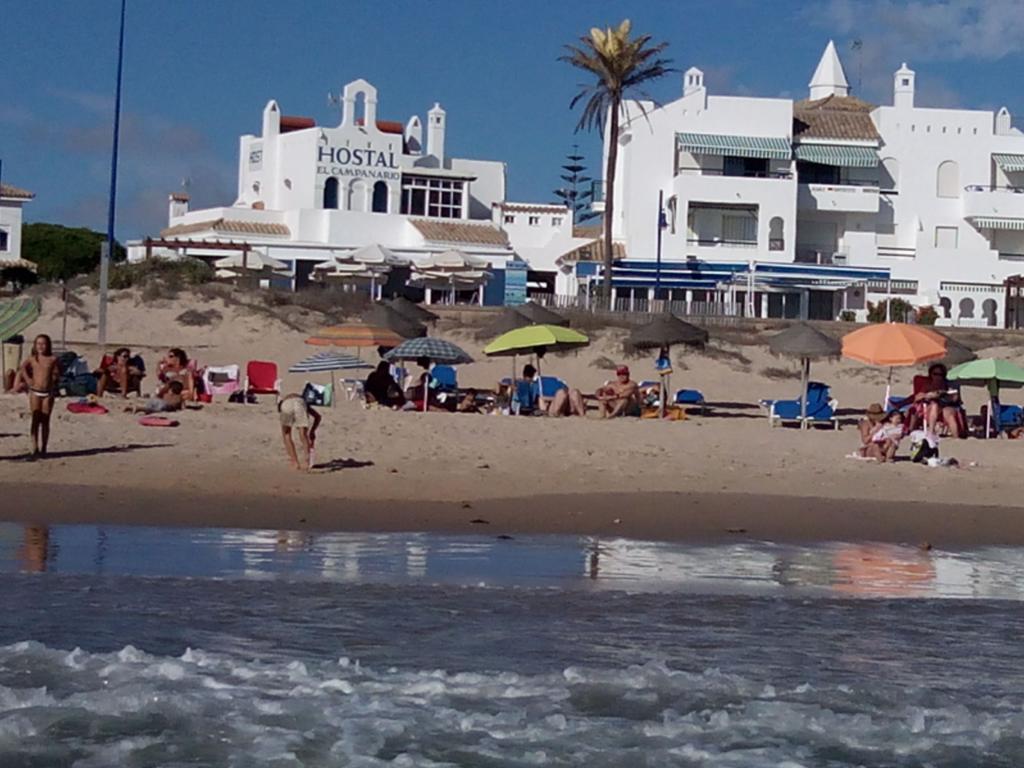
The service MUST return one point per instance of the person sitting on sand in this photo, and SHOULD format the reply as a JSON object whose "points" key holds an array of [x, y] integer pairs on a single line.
{"points": [[567, 402], [119, 376], [169, 400], [382, 389], [38, 376], [866, 427], [174, 367], [885, 439], [620, 397], [294, 413]]}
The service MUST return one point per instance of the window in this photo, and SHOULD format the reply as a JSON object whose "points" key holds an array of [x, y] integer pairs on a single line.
{"points": [[510, 219], [739, 229], [673, 209], [425, 196], [946, 237], [776, 236], [380, 198], [331, 193], [947, 179], [534, 221], [4, 247], [905, 81], [556, 221], [744, 166], [816, 173]]}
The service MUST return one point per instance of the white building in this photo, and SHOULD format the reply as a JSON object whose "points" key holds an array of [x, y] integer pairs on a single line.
{"points": [[780, 208], [11, 201], [307, 192]]}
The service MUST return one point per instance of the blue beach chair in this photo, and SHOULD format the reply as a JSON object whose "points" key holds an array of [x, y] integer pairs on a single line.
{"points": [[821, 407]]}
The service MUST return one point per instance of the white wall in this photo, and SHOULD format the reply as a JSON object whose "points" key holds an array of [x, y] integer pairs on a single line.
{"points": [[10, 221]]}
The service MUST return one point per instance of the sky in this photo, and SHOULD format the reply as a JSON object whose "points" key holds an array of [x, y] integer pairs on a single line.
{"points": [[197, 75]]}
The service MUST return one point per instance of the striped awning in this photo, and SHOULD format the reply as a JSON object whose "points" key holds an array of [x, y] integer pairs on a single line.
{"points": [[837, 154], [769, 147], [1009, 163], [988, 222]]}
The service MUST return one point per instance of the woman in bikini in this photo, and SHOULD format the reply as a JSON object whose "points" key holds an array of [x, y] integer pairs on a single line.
{"points": [[39, 374], [174, 367]]}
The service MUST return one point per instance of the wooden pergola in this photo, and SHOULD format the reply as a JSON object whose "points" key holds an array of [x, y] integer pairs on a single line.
{"points": [[180, 244]]}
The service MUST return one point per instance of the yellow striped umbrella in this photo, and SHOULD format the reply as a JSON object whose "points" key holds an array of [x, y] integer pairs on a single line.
{"points": [[355, 335]]}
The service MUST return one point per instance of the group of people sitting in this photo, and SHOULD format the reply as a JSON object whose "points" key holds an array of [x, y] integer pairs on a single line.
{"points": [[525, 396], [935, 407]]}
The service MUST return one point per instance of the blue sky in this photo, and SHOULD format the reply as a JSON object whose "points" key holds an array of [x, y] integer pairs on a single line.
{"points": [[198, 73]]}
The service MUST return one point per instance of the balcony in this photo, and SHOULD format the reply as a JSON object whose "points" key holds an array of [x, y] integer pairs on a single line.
{"points": [[981, 201], [820, 253], [716, 187], [838, 198]]}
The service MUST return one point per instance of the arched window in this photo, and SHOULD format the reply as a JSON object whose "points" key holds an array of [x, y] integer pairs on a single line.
{"points": [[380, 197], [357, 195], [946, 305], [331, 193], [776, 234], [359, 108], [966, 308], [988, 311], [890, 176], [947, 180]]}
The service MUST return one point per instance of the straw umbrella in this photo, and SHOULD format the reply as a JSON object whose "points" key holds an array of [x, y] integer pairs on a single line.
{"points": [[666, 331], [385, 317], [893, 345], [991, 374], [807, 343], [412, 310], [539, 315], [507, 320]]}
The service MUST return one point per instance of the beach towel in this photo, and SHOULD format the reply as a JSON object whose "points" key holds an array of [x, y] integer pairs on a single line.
{"points": [[80, 407], [157, 421]]}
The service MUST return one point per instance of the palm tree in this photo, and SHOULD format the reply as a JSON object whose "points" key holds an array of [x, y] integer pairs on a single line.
{"points": [[621, 66]]}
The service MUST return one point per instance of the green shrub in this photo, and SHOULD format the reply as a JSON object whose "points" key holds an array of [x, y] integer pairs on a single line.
{"points": [[927, 315], [900, 311], [174, 274], [848, 316]]}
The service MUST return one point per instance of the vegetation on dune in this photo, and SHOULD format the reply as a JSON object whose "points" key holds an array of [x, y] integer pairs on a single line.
{"points": [[61, 253]]}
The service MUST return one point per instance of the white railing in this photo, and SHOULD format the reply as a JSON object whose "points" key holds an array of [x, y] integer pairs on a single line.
{"points": [[708, 310]]}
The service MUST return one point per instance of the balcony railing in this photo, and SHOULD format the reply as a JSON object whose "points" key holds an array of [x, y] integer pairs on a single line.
{"points": [[718, 242], [745, 175], [817, 254], [840, 183], [993, 188]]}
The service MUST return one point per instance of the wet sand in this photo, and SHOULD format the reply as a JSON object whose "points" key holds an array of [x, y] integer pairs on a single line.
{"points": [[682, 516]]}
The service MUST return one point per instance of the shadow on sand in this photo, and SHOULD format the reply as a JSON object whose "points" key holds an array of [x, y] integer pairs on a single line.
{"points": [[89, 451], [336, 465]]}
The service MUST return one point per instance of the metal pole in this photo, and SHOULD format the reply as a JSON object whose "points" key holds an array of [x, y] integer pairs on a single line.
{"points": [[657, 269], [805, 374], [106, 250]]}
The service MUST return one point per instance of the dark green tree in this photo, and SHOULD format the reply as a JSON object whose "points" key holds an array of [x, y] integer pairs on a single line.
{"points": [[62, 252], [576, 194]]}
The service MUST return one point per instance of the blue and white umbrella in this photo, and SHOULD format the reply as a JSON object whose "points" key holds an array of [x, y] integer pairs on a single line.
{"points": [[436, 350], [322, 362], [330, 361]]}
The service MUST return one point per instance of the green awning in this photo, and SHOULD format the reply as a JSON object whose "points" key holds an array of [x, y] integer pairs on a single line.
{"points": [[988, 222], [769, 147], [16, 315], [1009, 163], [838, 154]]}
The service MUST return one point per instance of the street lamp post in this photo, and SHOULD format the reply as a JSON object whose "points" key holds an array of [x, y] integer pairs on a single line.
{"points": [[106, 251]]}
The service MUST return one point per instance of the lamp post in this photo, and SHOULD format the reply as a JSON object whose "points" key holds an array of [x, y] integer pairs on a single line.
{"points": [[106, 250]]}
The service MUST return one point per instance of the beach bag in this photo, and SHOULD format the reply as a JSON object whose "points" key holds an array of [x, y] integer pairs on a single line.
{"points": [[314, 394], [922, 447]]}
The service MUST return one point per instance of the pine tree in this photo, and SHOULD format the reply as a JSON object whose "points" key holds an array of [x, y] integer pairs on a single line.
{"points": [[576, 194]]}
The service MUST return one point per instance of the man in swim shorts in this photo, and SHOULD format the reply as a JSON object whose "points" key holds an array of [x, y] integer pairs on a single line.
{"points": [[295, 413]]}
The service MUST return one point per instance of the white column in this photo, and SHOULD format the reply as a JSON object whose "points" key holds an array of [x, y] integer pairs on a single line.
{"points": [[481, 295], [428, 296], [764, 305]]}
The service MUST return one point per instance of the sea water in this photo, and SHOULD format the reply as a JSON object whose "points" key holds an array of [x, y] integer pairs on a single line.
{"points": [[147, 647]]}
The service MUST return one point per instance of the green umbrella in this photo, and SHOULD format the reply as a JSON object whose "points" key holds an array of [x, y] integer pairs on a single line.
{"points": [[992, 374], [537, 339]]}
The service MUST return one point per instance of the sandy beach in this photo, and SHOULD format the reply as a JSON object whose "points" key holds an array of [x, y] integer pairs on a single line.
{"points": [[716, 475]]}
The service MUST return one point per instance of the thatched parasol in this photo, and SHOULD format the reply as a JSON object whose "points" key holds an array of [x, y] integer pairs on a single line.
{"points": [[539, 315], [666, 331], [411, 310], [807, 343], [386, 317]]}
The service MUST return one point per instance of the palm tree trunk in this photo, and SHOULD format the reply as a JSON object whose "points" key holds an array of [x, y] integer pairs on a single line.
{"points": [[609, 197]]}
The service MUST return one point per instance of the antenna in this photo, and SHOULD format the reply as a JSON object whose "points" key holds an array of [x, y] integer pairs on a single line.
{"points": [[857, 46], [186, 182]]}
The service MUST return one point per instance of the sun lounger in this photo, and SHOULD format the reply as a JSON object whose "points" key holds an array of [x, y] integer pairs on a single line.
{"points": [[821, 408], [444, 378], [261, 378], [692, 397]]}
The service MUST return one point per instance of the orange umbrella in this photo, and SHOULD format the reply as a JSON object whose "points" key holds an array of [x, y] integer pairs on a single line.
{"points": [[893, 344], [355, 335]]}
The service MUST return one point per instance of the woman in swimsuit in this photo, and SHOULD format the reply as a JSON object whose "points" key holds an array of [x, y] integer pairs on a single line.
{"points": [[40, 374], [174, 367]]}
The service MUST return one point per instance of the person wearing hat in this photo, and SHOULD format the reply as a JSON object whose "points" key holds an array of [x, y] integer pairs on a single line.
{"points": [[873, 417], [620, 397], [880, 433]]}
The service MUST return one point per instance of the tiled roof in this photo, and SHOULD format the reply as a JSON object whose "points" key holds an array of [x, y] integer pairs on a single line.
{"points": [[533, 207], [834, 117], [8, 191], [592, 251], [458, 232], [591, 230], [227, 225]]}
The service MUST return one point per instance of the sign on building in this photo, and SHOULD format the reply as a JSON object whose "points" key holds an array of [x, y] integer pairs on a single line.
{"points": [[515, 282]]}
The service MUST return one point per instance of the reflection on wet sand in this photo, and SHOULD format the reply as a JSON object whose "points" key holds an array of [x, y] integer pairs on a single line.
{"points": [[832, 569]]}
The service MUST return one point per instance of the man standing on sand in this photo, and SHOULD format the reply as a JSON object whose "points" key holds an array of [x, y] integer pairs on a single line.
{"points": [[296, 414], [39, 375], [619, 398]]}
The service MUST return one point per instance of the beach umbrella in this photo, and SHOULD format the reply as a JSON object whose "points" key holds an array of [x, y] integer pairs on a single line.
{"points": [[666, 330], [412, 310], [383, 316], [15, 316], [374, 254], [436, 350], [252, 261], [991, 374], [330, 361], [355, 335], [535, 313], [892, 345], [956, 354], [536, 339], [807, 343]]}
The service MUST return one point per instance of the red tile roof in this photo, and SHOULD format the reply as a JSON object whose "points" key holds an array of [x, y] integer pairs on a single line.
{"points": [[457, 232], [386, 126], [291, 123], [533, 207], [6, 190], [228, 225], [834, 117]]}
